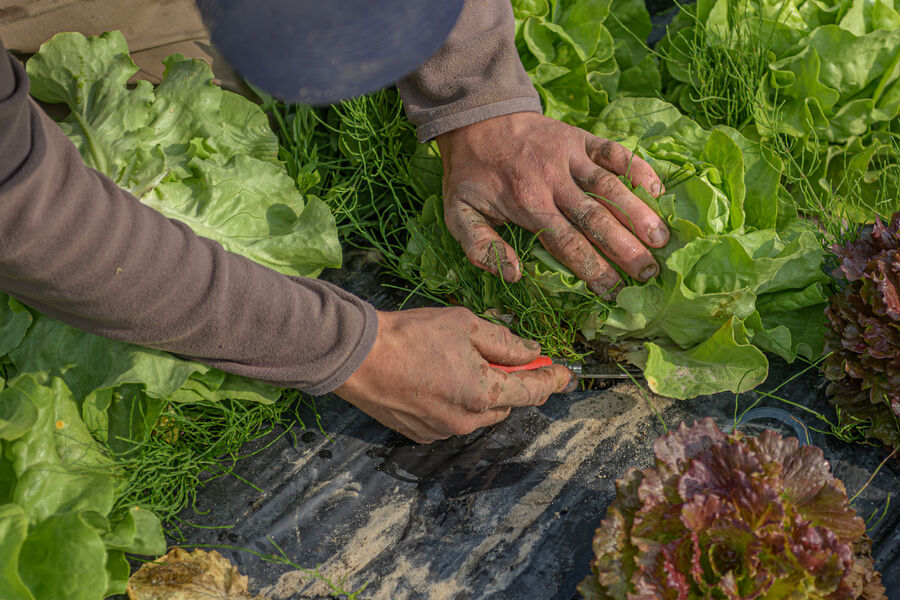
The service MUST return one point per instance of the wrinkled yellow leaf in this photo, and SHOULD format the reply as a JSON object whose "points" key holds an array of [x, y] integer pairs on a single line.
{"points": [[183, 575]]}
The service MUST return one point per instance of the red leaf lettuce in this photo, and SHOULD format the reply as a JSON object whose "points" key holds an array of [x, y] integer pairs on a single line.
{"points": [[864, 337], [732, 517]]}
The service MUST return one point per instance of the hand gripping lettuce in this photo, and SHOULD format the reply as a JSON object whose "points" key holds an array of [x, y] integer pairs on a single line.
{"points": [[741, 274]]}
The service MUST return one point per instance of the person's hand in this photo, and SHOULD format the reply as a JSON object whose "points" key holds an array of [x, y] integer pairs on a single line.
{"points": [[428, 378], [537, 172]]}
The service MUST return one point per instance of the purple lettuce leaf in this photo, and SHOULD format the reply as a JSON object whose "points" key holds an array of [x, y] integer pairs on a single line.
{"points": [[863, 339], [731, 517]]}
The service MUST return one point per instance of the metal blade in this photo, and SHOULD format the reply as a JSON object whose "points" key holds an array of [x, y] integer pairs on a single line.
{"points": [[610, 371]]}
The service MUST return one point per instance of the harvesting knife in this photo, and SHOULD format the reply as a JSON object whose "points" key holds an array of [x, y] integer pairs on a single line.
{"points": [[600, 371]]}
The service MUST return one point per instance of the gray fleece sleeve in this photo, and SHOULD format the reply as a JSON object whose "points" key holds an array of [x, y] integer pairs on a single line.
{"points": [[78, 248], [476, 74]]}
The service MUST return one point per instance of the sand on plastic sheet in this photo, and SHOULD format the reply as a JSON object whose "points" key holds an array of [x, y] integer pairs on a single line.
{"points": [[370, 540], [623, 413]]}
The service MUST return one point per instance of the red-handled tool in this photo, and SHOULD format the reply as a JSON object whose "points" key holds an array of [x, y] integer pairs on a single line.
{"points": [[540, 361], [601, 371]]}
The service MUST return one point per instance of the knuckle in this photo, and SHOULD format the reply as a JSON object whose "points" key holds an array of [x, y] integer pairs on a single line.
{"points": [[460, 427], [575, 251], [505, 336], [479, 405], [530, 194], [570, 243], [486, 253], [536, 394], [607, 185], [593, 179], [608, 149], [592, 218]]}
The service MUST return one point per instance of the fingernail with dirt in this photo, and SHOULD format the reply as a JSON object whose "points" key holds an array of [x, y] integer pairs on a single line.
{"points": [[572, 385], [657, 235], [532, 345], [648, 272], [509, 271]]}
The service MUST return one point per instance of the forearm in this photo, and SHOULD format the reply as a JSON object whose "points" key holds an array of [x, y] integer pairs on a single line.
{"points": [[78, 248], [476, 75]]}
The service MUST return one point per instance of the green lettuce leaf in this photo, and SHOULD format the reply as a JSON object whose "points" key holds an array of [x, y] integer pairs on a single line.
{"points": [[60, 486], [13, 531], [726, 356], [818, 80], [188, 148], [64, 557], [89, 363], [580, 54], [740, 276]]}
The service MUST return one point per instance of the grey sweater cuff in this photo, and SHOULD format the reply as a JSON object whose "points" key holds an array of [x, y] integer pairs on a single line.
{"points": [[357, 355], [432, 129], [475, 75]]}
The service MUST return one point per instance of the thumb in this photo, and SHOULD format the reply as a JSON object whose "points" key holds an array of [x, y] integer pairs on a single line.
{"points": [[483, 246], [499, 345]]}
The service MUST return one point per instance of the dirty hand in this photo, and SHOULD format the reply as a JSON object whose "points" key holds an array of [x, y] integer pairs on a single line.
{"points": [[537, 172], [428, 378]]}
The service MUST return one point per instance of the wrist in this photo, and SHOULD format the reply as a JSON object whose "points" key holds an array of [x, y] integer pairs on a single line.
{"points": [[369, 364], [501, 125]]}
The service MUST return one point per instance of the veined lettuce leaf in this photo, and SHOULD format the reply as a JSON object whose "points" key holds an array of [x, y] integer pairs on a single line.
{"points": [[188, 148], [817, 79], [582, 53]]}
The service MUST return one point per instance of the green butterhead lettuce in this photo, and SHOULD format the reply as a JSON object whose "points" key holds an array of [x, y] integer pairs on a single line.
{"points": [[581, 53], [187, 148], [58, 533], [818, 79], [738, 266], [740, 276]]}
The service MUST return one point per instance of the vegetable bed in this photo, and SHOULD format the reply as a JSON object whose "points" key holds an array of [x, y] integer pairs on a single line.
{"points": [[508, 512], [774, 125]]}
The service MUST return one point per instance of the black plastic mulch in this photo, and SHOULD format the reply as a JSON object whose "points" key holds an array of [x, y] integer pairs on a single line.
{"points": [[507, 512]]}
